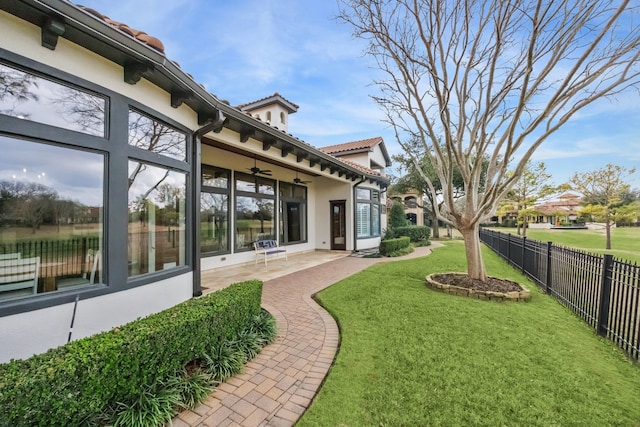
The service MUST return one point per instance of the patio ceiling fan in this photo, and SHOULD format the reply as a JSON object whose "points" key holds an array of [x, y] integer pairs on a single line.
{"points": [[299, 181], [256, 170]]}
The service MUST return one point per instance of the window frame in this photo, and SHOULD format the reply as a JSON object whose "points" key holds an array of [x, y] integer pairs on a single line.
{"points": [[218, 190], [283, 216], [114, 146], [241, 193], [372, 202]]}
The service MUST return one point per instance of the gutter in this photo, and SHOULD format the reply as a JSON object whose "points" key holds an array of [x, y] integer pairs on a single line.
{"points": [[355, 214], [196, 152]]}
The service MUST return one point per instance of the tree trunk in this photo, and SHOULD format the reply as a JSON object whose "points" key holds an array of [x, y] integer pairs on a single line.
{"points": [[475, 264], [435, 230], [607, 230], [524, 227]]}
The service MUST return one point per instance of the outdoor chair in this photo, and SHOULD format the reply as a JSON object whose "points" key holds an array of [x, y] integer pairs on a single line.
{"points": [[18, 274]]}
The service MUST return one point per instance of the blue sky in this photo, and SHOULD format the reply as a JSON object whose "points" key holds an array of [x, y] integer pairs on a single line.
{"points": [[244, 50]]}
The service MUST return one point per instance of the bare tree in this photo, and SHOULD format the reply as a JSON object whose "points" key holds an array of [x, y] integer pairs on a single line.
{"points": [[494, 78], [603, 189]]}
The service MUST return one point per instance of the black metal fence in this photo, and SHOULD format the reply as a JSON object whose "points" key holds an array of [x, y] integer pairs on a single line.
{"points": [[602, 290], [58, 258]]}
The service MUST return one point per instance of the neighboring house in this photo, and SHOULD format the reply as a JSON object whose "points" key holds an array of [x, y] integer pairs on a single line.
{"points": [[413, 205], [563, 208], [96, 122]]}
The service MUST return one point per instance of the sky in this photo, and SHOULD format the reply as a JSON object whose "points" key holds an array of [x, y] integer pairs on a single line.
{"points": [[245, 50]]}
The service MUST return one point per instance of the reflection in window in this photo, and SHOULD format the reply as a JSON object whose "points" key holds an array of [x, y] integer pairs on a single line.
{"points": [[156, 218], [155, 136], [293, 213], [254, 220], [30, 97], [50, 218], [255, 210], [214, 210]]}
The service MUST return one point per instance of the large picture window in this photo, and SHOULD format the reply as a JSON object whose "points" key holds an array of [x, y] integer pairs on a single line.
{"points": [[367, 213], [255, 210], [293, 213], [214, 210], [156, 218], [28, 96], [51, 218]]}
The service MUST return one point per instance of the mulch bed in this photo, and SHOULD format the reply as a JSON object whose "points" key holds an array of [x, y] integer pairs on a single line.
{"points": [[492, 284]]}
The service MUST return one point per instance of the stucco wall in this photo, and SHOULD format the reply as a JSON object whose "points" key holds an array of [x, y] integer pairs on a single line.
{"points": [[25, 334]]}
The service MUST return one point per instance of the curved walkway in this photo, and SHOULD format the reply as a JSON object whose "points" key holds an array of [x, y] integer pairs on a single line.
{"points": [[277, 386]]}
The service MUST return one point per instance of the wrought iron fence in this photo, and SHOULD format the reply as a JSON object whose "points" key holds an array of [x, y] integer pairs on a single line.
{"points": [[602, 290], [58, 258]]}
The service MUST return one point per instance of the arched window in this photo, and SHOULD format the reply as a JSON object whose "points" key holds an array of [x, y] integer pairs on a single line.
{"points": [[269, 116], [282, 118]]}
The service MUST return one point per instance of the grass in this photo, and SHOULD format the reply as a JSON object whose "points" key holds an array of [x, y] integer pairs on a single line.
{"points": [[624, 240], [412, 356]]}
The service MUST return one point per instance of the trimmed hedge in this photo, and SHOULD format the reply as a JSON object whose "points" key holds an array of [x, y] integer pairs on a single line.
{"points": [[387, 247], [75, 383], [417, 233]]}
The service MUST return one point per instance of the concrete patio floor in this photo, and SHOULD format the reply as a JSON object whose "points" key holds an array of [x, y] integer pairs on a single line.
{"points": [[278, 385]]}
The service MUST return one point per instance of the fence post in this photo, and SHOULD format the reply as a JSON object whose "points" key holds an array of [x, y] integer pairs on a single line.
{"points": [[524, 247], [605, 294], [509, 248], [548, 286]]}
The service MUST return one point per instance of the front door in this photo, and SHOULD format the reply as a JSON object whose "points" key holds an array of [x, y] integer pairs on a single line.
{"points": [[338, 226]]}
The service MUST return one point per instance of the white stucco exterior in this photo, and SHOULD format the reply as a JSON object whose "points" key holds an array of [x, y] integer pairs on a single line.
{"points": [[25, 334]]}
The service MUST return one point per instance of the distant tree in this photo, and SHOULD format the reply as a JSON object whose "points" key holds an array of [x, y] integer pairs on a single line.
{"points": [[475, 79], [602, 190], [532, 185], [628, 213], [397, 216]]}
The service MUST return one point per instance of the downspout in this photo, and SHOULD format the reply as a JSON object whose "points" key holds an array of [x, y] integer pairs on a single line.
{"points": [[196, 159], [355, 214]]}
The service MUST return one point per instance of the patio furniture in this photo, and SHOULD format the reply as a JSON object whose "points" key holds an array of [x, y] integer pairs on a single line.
{"points": [[17, 274], [93, 262], [268, 247]]}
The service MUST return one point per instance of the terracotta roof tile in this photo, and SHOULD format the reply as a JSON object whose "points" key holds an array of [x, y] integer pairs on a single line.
{"points": [[352, 146], [359, 167], [136, 34]]}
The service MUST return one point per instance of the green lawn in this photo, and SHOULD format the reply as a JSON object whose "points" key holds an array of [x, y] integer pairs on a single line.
{"points": [[411, 356], [625, 241]]}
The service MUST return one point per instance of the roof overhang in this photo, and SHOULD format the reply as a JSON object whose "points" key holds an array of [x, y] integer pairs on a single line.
{"points": [[63, 19]]}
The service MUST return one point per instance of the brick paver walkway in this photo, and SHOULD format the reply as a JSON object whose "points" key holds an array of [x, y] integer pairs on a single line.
{"points": [[277, 386]]}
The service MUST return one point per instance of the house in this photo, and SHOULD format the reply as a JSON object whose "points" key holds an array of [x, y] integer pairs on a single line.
{"points": [[97, 123], [562, 208], [413, 204]]}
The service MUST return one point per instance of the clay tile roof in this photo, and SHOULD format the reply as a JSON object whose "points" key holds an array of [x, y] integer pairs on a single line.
{"points": [[352, 146], [360, 167], [141, 36]]}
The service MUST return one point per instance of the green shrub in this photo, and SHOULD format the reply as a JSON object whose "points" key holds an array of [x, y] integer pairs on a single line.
{"points": [[397, 217], [416, 233], [77, 383], [401, 252], [223, 361], [264, 324], [150, 408], [387, 247]]}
